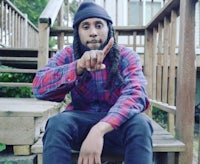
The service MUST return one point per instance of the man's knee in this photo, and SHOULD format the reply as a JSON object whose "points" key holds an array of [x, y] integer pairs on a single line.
{"points": [[61, 120], [140, 125]]}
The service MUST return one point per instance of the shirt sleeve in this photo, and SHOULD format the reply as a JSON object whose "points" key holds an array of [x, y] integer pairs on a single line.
{"points": [[57, 78], [133, 98]]}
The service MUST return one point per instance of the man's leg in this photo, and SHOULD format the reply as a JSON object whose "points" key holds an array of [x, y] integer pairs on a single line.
{"points": [[64, 131], [138, 141], [133, 138]]}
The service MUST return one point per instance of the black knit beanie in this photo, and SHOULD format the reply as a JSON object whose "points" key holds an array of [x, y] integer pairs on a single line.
{"points": [[90, 10]]}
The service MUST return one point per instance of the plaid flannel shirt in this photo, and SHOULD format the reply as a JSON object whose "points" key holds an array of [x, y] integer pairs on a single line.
{"points": [[88, 91]]}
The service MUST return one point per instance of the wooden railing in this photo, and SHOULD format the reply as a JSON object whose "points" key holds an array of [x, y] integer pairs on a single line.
{"points": [[170, 69], [162, 57], [16, 31]]}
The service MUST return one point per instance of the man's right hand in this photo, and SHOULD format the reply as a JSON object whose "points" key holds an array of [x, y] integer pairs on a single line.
{"points": [[93, 60], [92, 146]]}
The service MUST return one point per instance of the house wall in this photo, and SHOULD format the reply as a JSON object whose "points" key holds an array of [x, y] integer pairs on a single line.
{"points": [[121, 10], [197, 27], [119, 14]]}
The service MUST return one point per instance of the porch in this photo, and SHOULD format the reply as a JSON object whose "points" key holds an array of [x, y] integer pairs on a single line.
{"points": [[170, 66]]}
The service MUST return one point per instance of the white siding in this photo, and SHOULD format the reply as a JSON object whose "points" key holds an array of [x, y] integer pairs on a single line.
{"points": [[197, 27]]}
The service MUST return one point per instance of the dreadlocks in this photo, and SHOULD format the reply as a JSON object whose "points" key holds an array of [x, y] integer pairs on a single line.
{"points": [[113, 55]]}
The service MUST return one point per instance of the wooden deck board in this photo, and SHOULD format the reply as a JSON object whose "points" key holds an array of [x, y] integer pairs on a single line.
{"points": [[163, 141]]}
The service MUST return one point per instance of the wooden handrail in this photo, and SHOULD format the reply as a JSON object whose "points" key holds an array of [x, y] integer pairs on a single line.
{"points": [[165, 11], [16, 29], [21, 14], [164, 106], [50, 12]]}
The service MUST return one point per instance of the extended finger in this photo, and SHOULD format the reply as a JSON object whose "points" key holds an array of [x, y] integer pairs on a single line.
{"points": [[108, 46]]}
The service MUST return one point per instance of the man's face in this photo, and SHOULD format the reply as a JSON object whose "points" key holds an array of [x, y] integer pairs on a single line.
{"points": [[93, 32]]}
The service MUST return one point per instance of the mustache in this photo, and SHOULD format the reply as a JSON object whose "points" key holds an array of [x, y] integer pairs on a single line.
{"points": [[94, 41]]}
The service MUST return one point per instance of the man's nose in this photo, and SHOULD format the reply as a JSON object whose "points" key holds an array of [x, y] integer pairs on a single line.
{"points": [[93, 32]]}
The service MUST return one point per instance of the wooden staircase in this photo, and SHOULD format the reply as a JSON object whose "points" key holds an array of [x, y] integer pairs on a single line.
{"points": [[166, 146]]}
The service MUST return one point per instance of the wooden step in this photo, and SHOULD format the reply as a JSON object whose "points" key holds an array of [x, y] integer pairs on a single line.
{"points": [[19, 57], [25, 58], [23, 119], [15, 84], [9, 70]]}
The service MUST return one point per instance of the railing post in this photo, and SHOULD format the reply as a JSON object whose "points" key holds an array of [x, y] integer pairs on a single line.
{"points": [[60, 23], [148, 63], [186, 80], [25, 33], [46, 20], [43, 53], [172, 70]]}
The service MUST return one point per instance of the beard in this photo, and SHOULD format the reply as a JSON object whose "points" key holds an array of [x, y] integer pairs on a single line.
{"points": [[84, 48]]}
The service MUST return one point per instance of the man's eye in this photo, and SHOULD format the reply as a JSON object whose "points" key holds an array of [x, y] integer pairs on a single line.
{"points": [[99, 26], [85, 27]]}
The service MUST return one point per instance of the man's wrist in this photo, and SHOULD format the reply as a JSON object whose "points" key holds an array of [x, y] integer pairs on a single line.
{"points": [[79, 68], [103, 127]]}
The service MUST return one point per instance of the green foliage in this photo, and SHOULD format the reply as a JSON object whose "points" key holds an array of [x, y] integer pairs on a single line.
{"points": [[2, 147], [16, 77], [8, 162], [32, 8], [18, 92], [160, 117], [52, 42], [73, 7], [15, 91]]}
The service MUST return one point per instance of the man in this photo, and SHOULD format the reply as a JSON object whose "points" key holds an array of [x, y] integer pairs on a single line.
{"points": [[107, 89]]}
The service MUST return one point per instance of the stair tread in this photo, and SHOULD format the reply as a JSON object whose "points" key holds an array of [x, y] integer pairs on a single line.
{"points": [[20, 107]]}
